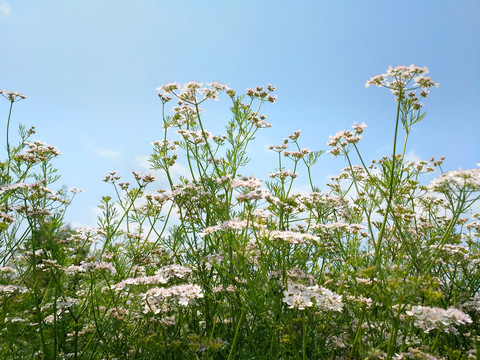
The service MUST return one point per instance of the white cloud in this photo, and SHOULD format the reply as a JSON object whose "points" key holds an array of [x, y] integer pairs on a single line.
{"points": [[412, 156], [142, 161], [105, 152], [5, 9], [108, 152]]}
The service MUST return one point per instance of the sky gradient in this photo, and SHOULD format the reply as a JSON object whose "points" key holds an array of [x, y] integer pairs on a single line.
{"points": [[90, 69]]}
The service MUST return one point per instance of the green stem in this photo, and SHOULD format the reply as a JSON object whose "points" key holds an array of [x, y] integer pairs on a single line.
{"points": [[357, 335], [8, 146], [8, 128], [304, 340], [390, 195], [237, 331], [393, 339]]}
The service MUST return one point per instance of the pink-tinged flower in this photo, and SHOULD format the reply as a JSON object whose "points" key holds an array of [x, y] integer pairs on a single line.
{"points": [[218, 86], [399, 78], [76, 190], [250, 182], [12, 96], [299, 296], [168, 87], [377, 80], [458, 179], [282, 175], [345, 137], [428, 318], [425, 82], [292, 237], [158, 299]]}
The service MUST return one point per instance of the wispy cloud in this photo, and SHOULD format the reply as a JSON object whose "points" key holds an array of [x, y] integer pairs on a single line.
{"points": [[5, 8], [412, 156], [105, 152], [108, 152]]}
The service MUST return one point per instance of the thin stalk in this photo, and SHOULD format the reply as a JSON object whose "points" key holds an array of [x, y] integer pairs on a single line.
{"points": [[8, 148], [8, 129], [357, 335], [390, 195], [304, 338], [237, 331]]}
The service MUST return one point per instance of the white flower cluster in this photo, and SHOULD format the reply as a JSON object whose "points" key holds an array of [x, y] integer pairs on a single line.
{"points": [[6, 217], [12, 96], [259, 121], [397, 79], [283, 174], [86, 266], [250, 182], [299, 296], [459, 179], [345, 137], [260, 93], [354, 228], [400, 76], [428, 318], [233, 224], [182, 295], [473, 304], [195, 137], [190, 90], [38, 151], [7, 269], [10, 289], [293, 237], [162, 276], [224, 179], [145, 178], [297, 154], [257, 195]]}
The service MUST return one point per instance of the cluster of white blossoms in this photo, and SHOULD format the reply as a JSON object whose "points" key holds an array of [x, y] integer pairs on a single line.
{"points": [[282, 175], [459, 179], [10, 289], [36, 190], [88, 266], [293, 237], [249, 182], [345, 137], [233, 224], [157, 299], [296, 155], [162, 276], [263, 94], [257, 195], [190, 90], [398, 78], [145, 178], [12, 96], [38, 151], [259, 121], [473, 304], [354, 228], [299, 296], [196, 137], [428, 318]]}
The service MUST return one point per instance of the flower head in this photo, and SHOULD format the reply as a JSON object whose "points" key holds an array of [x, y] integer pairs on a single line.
{"points": [[398, 80], [12, 96]]}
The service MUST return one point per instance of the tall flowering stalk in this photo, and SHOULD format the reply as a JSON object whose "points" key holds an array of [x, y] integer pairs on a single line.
{"points": [[403, 82]]}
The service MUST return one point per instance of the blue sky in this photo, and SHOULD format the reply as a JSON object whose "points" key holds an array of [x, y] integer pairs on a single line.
{"points": [[90, 69]]}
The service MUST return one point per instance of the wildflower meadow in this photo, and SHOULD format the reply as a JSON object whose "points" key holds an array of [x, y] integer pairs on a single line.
{"points": [[219, 265]]}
